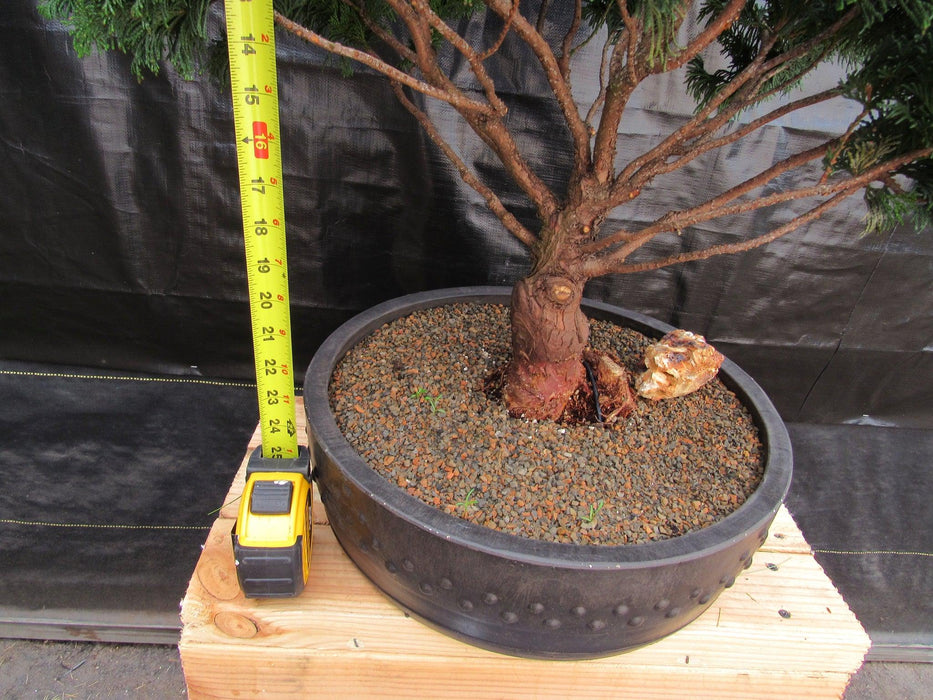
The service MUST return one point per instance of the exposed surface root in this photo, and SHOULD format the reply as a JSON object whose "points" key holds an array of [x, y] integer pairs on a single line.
{"points": [[613, 399]]}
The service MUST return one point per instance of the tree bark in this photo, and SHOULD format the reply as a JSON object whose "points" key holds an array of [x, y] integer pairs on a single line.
{"points": [[549, 334]]}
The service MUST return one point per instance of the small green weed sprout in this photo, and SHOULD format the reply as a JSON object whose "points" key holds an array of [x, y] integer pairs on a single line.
{"points": [[421, 394], [468, 500], [595, 510]]}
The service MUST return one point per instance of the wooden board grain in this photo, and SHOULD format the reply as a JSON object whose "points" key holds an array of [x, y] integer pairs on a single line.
{"points": [[782, 631]]}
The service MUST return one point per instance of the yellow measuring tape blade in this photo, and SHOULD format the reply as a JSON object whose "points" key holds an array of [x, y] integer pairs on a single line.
{"points": [[251, 42]]}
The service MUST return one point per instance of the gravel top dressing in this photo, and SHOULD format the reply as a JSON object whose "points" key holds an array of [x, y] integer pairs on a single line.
{"points": [[409, 399]]}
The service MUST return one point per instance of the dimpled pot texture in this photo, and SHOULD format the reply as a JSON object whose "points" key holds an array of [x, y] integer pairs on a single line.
{"points": [[520, 596]]}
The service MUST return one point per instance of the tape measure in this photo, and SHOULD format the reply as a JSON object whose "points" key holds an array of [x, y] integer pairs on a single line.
{"points": [[251, 46], [272, 534]]}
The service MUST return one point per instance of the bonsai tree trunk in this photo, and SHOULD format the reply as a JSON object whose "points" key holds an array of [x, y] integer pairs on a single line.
{"points": [[549, 329], [549, 334]]}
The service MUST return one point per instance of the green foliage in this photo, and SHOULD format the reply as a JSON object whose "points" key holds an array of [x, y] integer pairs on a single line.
{"points": [[339, 21], [888, 208], [789, 25], [659, 20], [149, 31], [892, 77], [887, 46], [153, 31]]}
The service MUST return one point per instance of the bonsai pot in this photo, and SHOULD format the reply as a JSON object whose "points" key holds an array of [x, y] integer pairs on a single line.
{"points": [[520, 596]]}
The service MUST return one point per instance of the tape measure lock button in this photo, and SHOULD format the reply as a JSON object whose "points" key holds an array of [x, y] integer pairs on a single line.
{"points": [[271, 498]]}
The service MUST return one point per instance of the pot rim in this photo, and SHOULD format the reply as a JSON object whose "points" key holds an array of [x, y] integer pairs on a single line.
{"points": [[757, 511]]}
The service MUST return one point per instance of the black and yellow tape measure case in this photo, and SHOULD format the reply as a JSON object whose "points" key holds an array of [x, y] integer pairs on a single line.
{"points": [[272, 533]]}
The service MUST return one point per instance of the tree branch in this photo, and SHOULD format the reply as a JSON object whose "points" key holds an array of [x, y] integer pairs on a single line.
{"points": [[821, 189], [566, 47], [420, 32], [542, 15], [633, 28], [701, 122], [673, 221], [384, 35], [490, 128], [703, 142], [842, 143], [808, 46], [621, 83], [559, 85], [717, 208], [618, 90], [459, 43], [481, 117], [506, 27], [750, 244], [747, 84], [713, 29], [495, 135], [455, 99], [751, 95], [601, 97], [495, 205]]}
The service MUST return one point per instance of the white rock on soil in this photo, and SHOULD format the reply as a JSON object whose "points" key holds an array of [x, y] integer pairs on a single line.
{"points": [[678, 364]]}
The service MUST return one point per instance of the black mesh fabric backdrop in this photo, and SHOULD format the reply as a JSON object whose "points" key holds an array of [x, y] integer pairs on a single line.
{"points": [[121, 251]]}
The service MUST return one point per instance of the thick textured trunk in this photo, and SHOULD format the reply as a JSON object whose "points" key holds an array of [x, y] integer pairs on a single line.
{"points": [[549, 334]]}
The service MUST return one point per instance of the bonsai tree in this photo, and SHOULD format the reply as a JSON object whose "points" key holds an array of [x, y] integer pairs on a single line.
{"points": [[733, 55]]}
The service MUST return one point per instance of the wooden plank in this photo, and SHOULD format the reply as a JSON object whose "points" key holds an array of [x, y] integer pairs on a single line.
{"points": [[781, 631], [289, 673], [784, 536]]}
